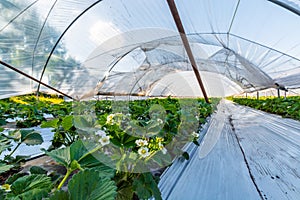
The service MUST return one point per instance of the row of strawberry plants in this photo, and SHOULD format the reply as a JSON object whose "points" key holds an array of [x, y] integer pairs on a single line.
{"points": [[287, 107], [29, 110], [115, 144]]}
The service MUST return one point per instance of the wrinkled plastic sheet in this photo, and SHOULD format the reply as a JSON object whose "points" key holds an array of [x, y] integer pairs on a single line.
{"points": [[245, 154]]}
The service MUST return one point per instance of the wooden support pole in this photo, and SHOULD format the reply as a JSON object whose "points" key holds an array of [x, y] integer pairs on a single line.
{"points": [[186, 44]]}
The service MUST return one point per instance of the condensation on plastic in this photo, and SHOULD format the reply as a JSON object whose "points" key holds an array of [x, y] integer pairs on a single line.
{"points": [[126, 47], [248, 141]]}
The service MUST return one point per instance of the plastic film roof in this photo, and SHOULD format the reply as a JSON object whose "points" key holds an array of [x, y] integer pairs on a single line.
{"points": [[121, 47]]}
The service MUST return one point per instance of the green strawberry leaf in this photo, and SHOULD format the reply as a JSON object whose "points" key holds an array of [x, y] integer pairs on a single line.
{"points": [[88, 184], [30, 187]]}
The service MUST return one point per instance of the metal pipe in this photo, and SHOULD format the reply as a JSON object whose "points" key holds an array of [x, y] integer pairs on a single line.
{"points": [[34, 79], [286, 6], [60, 37], [186, 44]]}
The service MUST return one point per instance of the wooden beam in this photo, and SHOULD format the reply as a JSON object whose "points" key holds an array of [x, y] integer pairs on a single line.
{"points": [[186, 44]]}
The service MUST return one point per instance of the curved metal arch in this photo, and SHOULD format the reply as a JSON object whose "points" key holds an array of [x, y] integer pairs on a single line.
{"points": [[286, 6], [245, 39], [116, 60], [113, 64], [40, 33], [18, 15], [163, 38], [100, 83], [150, 87], [61, 36]]}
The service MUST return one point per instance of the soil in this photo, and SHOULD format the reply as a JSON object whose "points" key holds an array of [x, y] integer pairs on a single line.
{"points": [[4, 176]]}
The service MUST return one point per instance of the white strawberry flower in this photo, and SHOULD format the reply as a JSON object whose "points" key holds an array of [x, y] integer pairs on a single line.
{"points": [[104, 140], [144, 152], [141, 142]]}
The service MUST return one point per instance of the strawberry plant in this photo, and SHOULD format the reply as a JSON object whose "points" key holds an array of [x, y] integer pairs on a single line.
{"points": [[286, 107], [64, 131], [28, 137], [110, 149]]}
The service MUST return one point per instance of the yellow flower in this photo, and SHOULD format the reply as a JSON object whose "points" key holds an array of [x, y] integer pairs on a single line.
{"points": [[159, 139], [110, 119], [6, 187]]}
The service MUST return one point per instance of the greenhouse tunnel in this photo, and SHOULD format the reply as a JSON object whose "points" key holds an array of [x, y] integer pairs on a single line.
{"points": [[95, 49]]}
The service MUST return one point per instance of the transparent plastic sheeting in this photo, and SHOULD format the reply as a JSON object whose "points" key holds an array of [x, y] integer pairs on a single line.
{"points": [[244, 153], [133, 47]]}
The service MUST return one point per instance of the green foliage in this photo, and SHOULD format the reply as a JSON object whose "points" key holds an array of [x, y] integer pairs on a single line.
{"points": [[64, 130], [157, 121], [51, 123], [67, 122], [5, 143], [60, 195], [31, 109], [92, 181], [5, 167], [80, 152], [88, 184], [28, 137], [186, 155], [30, 187], [2, 194], [14, 177], [286, 107], [31, 116], [61, 156], [2, 122], [146, 187], [79, 156], [37, 170]]}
